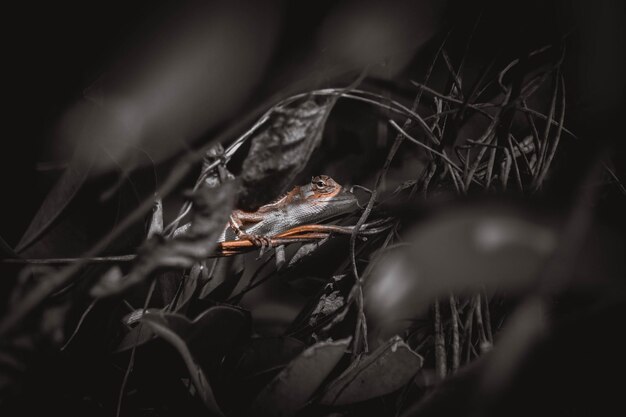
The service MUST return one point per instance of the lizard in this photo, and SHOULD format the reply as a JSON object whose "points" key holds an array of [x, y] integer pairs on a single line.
{"points": [[317, 201]]}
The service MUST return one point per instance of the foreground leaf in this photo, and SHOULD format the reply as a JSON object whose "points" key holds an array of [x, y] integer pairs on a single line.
{"points": [[458, 251], [385, 370], [290, 390]]}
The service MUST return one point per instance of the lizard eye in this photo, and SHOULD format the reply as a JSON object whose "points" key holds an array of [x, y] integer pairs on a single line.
{"points": [[320, 184]]}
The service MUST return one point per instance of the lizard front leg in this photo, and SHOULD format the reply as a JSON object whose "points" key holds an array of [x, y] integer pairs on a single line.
{"points": [[236, 222]]}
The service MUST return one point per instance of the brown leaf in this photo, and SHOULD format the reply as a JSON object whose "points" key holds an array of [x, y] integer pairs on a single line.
{"points": [[289, 391], [385, 370], [280, 151]]}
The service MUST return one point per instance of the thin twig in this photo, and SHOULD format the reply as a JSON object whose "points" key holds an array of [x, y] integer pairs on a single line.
{"points": [[53, 261], [518, 175], [487, 321], [440, 345], [79, 324], [484, 342], [131, 361], [456, 358], [543, 150], [423, 145], [615, 178], [358, 285], [467, 336], [557, 137]]}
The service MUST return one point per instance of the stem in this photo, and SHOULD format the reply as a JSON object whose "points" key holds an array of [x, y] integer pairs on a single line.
{"points": [[455, 334], [440, 345]]}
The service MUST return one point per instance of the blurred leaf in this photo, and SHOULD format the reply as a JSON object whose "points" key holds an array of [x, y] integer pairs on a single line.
{"points": [[111, 278], [198, 378], [166, 90], [460, 250], [280, 151], [526, 326], [212, 206], [14, 361], [53, 323], [56, 201], [356, 34], [385, 370], [289, 391]]}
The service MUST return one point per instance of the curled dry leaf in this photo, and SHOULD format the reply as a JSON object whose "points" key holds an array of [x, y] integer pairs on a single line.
{"points": [[328, 304], [289, 391], [212, 206], [280, 151], [385, 370], [214, 178]]}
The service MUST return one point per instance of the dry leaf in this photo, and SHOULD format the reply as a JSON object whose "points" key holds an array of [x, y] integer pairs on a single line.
{"points": [[383, 371], [280, 151], [289, 391]]}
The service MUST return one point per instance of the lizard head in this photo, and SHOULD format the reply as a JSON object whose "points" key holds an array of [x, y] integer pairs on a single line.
{"points": [[323, 185], [324, 189]]}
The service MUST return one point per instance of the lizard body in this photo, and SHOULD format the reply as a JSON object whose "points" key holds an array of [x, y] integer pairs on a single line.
{"points": [[317, 201]]}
